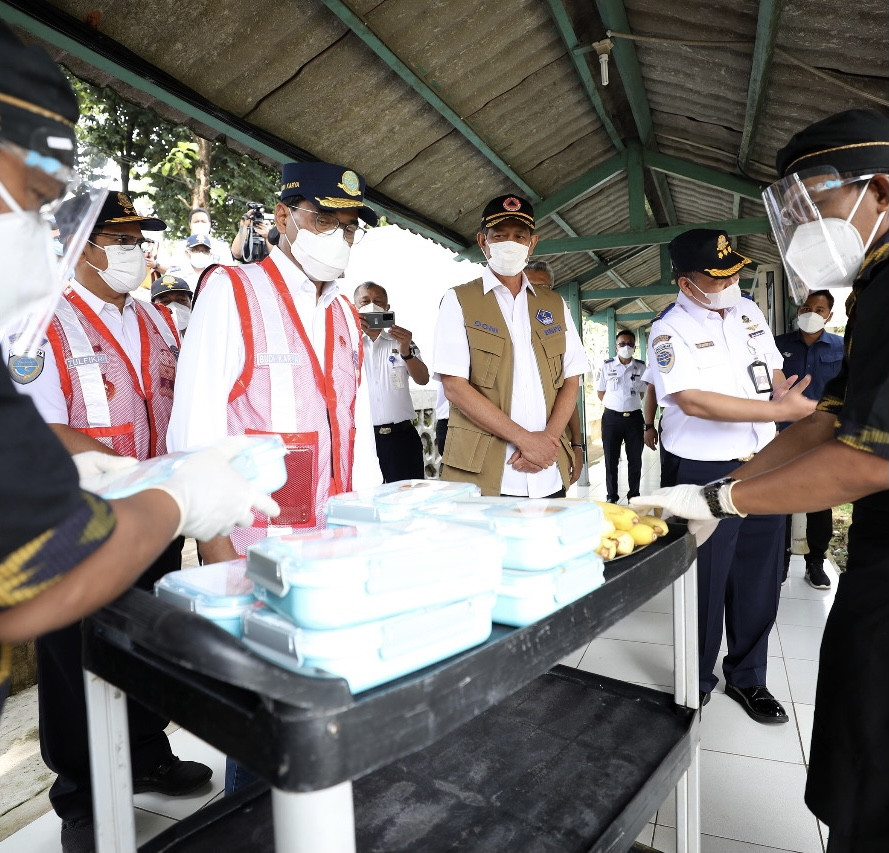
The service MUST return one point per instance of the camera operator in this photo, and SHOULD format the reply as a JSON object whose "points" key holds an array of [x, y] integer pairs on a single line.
{"points": [[251, 242]]}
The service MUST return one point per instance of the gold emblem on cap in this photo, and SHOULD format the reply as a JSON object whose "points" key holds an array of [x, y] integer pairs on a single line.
{"points": [[723, 247], [124, 201], [349, 183]]}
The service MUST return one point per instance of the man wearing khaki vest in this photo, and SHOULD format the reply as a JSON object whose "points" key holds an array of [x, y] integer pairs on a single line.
{"points": [[509, 358]]}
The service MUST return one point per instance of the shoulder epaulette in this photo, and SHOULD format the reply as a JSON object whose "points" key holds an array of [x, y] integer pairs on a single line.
{"points": [[665, 311]]}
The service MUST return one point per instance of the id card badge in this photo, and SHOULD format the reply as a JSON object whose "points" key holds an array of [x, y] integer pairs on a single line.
{"points": [[761, 376]]}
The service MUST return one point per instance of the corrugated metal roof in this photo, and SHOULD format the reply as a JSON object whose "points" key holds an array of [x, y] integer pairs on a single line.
{"points": [[301, 75]]}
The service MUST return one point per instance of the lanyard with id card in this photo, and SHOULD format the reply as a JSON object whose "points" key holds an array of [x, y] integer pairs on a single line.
{"points": [[761, 376]]}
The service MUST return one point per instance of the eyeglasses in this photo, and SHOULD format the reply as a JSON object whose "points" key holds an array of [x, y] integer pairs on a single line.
{"points": [[328, 224], [127, 241]]}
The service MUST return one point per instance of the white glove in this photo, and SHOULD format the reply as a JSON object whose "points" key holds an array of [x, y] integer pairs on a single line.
{"points": [[212, 497], [97, 469], [684, 501]]}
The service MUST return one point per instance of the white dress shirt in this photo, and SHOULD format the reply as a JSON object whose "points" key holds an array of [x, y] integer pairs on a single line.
{"points": [[387, 380], [698, 349], [528, 405], [46, 389], [622, 384], [212, 359]]}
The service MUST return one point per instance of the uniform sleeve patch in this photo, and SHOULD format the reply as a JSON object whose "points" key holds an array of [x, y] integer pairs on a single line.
{"points": [[660, 339], [26, 368], [665, 357]]}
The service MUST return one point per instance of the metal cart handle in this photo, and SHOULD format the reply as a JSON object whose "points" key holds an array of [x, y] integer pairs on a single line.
{"points": [[162, 632]]}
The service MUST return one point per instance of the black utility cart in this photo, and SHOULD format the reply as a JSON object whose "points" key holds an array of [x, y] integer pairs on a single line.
{"points": [[495, 749]]}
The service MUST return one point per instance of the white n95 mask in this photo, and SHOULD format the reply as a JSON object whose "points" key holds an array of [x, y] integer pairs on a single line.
{"points": [[323, 257], [508, 257], [727, 298], [126, 267], [810, 322], [29, 261], [181, 315]]}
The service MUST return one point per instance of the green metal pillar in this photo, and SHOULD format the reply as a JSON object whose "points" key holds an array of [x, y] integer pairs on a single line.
{"points": [[642, 340], [612, 331]]}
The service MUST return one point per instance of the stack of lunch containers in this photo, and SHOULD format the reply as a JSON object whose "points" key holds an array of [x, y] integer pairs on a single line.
{"points": [[549, 559], [405, 575]]}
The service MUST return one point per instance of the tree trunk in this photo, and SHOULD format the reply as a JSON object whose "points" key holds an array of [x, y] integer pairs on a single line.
{"points": [[200, 193]]}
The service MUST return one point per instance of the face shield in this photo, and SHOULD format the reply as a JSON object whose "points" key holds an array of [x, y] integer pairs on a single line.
{"points": [[41, 247], [811, 221]]}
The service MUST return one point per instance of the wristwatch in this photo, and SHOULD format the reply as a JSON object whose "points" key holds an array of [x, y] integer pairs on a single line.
{"points": [[649, 426], [581, 446], [407, 357], [719, 502]]}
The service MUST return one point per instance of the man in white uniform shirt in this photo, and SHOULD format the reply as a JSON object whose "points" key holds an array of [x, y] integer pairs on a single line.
{"points": [[621, 390], [509, 357], [717, 374], [273, 347], [390, 357]]}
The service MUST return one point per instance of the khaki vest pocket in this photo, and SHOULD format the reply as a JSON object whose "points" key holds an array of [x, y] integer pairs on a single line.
{"points": [[554, 349], [486, 352], [466, 449]]}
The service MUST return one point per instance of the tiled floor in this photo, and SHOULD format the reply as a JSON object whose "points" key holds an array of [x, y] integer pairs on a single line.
{"points": [[752, 776]]}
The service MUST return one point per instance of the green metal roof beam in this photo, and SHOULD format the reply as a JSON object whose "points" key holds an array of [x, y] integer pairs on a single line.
{"points": [[702, 175], [586, 183], [657, 289], [357, 26], [218, 120], [602, 317], [763, 51], [578, 59], [654, 236], [636, 188], [614, 17]]}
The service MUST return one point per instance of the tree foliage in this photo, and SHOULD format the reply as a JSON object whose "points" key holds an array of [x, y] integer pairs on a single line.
{"points": [[167, 163]]}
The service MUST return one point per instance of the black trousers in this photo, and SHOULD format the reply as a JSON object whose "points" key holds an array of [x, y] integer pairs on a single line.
{"points": [[819, 529], [400, 454], [669, 463], [739, 580], [618, 430], [64, 740]]}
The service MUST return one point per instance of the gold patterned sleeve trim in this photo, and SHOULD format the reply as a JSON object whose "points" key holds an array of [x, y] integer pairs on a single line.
{"points": [[39, 563]]}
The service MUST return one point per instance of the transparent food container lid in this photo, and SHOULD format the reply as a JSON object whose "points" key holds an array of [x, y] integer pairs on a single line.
{"points": [[261, 462]]}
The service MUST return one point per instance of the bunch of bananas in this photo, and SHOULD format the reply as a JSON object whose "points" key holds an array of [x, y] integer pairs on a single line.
{"points": [[624, 529]]}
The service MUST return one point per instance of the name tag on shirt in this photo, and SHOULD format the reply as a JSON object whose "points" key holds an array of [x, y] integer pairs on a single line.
{"points": [[277, 358], [79, 361]]}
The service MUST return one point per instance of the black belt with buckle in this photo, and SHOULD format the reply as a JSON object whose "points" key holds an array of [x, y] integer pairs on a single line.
{"points": [[388, 429], [624, 414]]}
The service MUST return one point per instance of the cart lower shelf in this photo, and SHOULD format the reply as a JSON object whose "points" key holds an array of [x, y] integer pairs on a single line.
{"points": [[572, 762]]}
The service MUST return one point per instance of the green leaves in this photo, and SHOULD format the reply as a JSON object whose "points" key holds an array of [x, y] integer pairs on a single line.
{"points": [[167, 163]]}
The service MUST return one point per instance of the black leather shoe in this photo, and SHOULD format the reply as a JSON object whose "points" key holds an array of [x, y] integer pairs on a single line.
{"points": [[703, 699], [77, 836], [174, 778], [759, 704]]}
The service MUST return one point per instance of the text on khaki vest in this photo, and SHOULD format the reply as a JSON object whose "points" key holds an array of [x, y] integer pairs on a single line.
{"points": [[284, 389], [471, 454]]}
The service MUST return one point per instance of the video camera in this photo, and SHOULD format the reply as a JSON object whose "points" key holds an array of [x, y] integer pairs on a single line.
{"points": [[255, 248]]}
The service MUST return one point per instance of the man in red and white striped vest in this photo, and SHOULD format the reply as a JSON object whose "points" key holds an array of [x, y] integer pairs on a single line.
{"points": [[104, 382], [273, 347]]}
